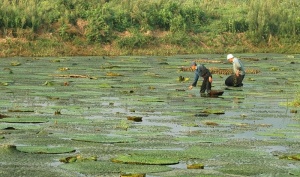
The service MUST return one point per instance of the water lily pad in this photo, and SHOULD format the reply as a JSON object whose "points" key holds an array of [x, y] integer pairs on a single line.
{"points": [[148, 158], [33, 88], [291, 157], [77, 158], [201, 152], [104, 139], [133, 175], [45, 149], [15, 63], [24, 120], [13, 126], [113, 74], [252, 170], [151, 99], [200, 139], [105, 85], [100, 167], [232, 96], [195, 166], [272, 134], [213, 111], [20, 110]]}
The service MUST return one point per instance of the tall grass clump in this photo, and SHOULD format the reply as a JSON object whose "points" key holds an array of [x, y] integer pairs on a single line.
{"points": [[273, 18]]}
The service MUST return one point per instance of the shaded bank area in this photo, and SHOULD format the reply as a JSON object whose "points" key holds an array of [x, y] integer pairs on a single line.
{"points": [[134, 115], [234, 43]]}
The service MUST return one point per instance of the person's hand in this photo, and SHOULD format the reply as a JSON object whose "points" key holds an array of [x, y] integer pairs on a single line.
{"points": [[191, 87], [210, 79], [237, 73]]}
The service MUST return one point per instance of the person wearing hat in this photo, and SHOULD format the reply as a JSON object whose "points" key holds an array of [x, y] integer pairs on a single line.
{"points": [[202, 71], [236, 79]]}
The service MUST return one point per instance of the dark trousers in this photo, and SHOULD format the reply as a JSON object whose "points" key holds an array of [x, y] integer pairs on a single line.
{"points": [[206, 85], [235, 81]]}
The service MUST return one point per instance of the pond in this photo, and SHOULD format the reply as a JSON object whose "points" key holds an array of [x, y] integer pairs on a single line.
{"points": [[135, 116]]}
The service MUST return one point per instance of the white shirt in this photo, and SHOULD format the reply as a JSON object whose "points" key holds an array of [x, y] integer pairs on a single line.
{"points": [[238, 66]]}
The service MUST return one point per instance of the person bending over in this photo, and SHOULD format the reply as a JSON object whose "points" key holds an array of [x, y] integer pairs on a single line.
{"points": [[202, 71]]}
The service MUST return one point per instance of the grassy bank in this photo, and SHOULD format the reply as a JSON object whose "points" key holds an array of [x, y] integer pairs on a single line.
{"points": [[159, 27]]}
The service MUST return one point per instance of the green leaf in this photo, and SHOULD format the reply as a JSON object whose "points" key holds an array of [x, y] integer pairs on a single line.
{"points": [[45, 149]]}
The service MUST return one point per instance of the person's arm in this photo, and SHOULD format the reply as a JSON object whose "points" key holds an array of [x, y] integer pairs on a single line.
{"points": [[195, 80], [237, 67], [210, 77]]}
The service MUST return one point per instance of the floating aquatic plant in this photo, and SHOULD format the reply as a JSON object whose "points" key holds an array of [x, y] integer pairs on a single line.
{"points": [[148, 158], [195, 166], [20, 110], [48, 83], [133, 175], [213, 111], [291, 157], [113, 74], [103, 167], [64, 69], [24, 120], [104, 138], [45, 149], [105, 85], [15, 63], [151, 99], [77, 158], [272, 134], [200, 139], [19, 126]]}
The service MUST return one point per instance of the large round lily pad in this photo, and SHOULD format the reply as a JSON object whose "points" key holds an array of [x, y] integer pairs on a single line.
{"points": [[149, 158], [200, 139], [213, 111], [99, 167], [25, 120], [104, 139], [45, 149]]}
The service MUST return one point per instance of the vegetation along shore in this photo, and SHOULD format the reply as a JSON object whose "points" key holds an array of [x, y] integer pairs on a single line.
{"points": [[139, 27]]}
